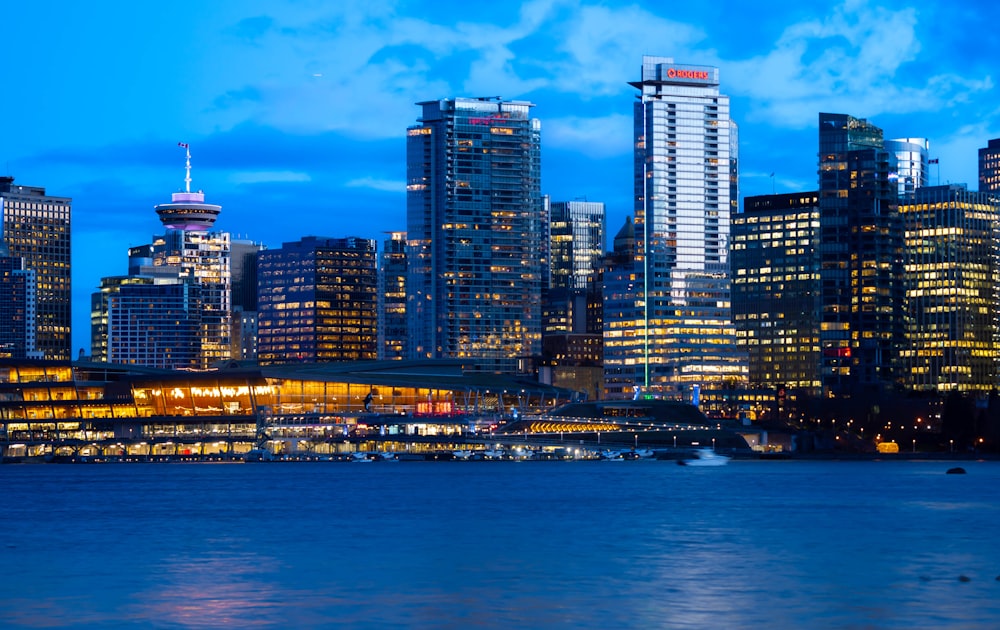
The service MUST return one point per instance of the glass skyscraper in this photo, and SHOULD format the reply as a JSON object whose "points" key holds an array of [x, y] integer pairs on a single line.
{"points": [[775, 302], [678, 336], [860, 256], [910, 163], [476, 233], [989, 167], [36, 227]]}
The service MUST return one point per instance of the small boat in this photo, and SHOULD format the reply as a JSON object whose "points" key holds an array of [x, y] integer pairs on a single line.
{"points": [[361, 458], [612, 456], [705, 457], [462, 454]]}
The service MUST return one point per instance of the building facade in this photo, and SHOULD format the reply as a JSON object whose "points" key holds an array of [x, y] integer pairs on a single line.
{"points": [[392, 332], [17, 307], [155, 324], [317, 301], [36, 227], [677, 336], [775, 299], [950, 285], [860, 255], [577, 243], [476, 231], [910, 163], [989, 167]]}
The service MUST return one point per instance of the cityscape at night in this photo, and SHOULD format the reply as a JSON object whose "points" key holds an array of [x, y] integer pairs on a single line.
{"points": [[638, 314]]}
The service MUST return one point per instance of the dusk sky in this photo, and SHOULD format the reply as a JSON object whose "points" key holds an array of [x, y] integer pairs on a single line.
{"points": [[296, 111]]}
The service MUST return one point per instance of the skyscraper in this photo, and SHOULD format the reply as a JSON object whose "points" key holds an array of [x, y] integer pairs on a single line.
{"points": [[775, 280], [989, 167], [36, 227], [316, 301], [576, 243], [685, 189], [950, 287], [860, 253], [476, 230], [392, 333]]}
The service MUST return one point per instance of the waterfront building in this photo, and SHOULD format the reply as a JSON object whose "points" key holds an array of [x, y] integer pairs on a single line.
{"points": [[476, 230], [17, 307], [776, 276], [86, 409], [36, 228], [950, 285], [317, 301], [860, 254], [392, 332], [989, 167], [675, 336], [910, 163]]}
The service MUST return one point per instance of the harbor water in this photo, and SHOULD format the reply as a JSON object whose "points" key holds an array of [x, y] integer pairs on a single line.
{"points": [[634, 544]]}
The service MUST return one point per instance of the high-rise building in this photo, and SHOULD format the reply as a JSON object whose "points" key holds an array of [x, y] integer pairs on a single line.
{"points": [[951, 293], [36, 227], [17, 307], [317, 301], [243, 263], [155, 323], [989, 167], [685, 190], [476, 231], [860, 254], [392, 332], [775, 298], [909, 163], [576, 243]]}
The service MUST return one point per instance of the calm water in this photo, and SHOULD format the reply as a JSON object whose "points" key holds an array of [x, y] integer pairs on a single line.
{"points": [[531, 544]]}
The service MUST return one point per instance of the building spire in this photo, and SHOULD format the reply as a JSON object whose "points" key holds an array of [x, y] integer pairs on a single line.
{"points": [[187, 165]]}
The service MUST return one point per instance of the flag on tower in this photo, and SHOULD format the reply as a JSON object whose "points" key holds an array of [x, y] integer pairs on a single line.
{"points": [[182, 145], [934, 161]]}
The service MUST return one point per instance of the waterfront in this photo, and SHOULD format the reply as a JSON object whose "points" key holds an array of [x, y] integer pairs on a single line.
{"points": [[529, 544]]}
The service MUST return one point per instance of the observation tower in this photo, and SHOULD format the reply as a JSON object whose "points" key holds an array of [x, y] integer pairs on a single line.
{"points": [[187, 210]]}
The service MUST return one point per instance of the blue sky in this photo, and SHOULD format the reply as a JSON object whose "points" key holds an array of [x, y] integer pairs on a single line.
{"points": [[296, 110]]}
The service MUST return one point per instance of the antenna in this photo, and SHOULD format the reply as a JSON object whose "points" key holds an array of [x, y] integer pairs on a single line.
{"points": [[187, 165]]}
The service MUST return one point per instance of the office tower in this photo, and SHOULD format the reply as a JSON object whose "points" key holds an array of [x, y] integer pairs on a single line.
{"points": [[17, 307], [685, 187], [392, 332], [576, 256], [776, 305], [36, 227], [243, 322], [476, 230], [860, 254], [576, 243], [909, 163], [950, 287], [989, 167], [317, 301]]}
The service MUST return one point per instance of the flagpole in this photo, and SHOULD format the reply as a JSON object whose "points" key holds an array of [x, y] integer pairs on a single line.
{"points": [[187, 165]]}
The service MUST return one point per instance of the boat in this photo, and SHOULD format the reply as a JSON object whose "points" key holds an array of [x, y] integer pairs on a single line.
{"points": [[612, 456], [705, 457], [361, 458], [462, 454]]}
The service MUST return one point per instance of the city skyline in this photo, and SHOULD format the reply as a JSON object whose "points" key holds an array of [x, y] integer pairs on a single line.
{"points": [[304, 108]]}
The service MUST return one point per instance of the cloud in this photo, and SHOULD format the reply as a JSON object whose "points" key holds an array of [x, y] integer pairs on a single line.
{"points": [[855, 59], [383, 185], [597, 137], [261, 177]]}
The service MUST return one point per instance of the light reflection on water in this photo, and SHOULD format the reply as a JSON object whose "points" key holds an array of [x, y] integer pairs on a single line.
{"points": [[639, 544]]}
